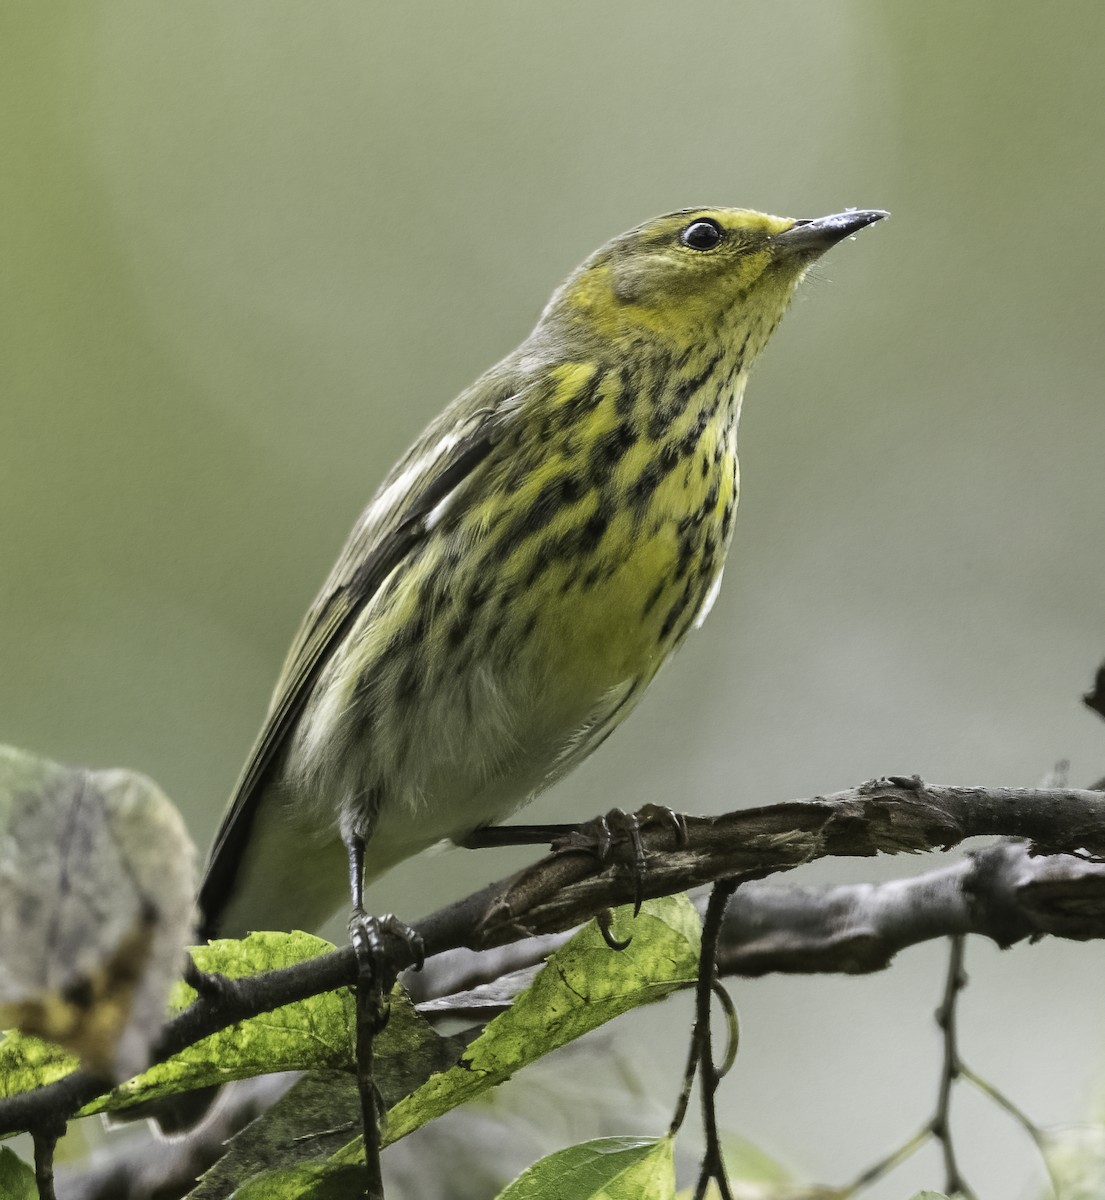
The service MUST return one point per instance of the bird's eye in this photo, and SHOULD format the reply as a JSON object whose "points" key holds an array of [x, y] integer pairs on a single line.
{"points": [[702, 235]]}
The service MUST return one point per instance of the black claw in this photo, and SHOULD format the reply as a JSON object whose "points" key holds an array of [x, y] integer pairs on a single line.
{"points": [[679, 824], [661, 813], [410, 938], [604, 919], [604, 839], [639, 863], [603, 836]]}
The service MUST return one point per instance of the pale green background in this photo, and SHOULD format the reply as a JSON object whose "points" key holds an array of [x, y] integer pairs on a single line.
{"points": [[250, 248]]}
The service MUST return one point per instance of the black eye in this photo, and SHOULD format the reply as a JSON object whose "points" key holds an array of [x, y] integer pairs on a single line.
{"points": [[702, 235]]}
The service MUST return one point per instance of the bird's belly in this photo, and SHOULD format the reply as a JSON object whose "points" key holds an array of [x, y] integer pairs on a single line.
{"points": [[581, 645], [508, 683]]}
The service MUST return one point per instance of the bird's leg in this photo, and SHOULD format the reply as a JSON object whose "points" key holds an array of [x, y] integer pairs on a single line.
{"points": [[488, 837], [600, 837], [376, 970], [375, 975]]}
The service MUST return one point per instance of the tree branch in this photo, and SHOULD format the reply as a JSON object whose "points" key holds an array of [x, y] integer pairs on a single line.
{"points": [[564, 889], [1003, 892]]}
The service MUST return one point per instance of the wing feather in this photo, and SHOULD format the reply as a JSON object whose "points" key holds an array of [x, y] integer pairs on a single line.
{"points": [[394, 524]]}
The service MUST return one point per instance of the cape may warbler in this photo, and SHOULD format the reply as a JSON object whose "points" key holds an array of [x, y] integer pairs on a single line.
{"points": [[522, 573]]}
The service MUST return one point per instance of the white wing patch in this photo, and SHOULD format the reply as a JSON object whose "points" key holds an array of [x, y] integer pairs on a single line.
{"points": [[396, 491], [708, 603], [446, 443], [604, 718]]}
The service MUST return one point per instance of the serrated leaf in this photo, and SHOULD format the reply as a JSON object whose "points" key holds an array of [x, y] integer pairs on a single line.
{"points": [[97, 878], [328, 1182], [614, 1168], [582, 986], [316, 1034], [17, 1179]]}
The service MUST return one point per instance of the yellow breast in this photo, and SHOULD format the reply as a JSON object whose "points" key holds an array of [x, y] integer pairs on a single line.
{"points": [[621, 569]]}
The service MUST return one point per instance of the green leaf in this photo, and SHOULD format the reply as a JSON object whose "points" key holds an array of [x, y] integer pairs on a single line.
{"points": [[614, 1168], [930, 1196], [237, 958], [17, 1179], [316, 1034], [328, 1182], [582, 986], [322, 1111], [311, 1034], [27, 1062]]}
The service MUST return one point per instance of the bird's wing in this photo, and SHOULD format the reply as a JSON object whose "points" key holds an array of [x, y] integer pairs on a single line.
{"points": [[393, 525], [610, 711]]}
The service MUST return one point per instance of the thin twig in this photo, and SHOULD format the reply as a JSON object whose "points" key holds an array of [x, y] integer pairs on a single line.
{"points": [[689, 1072], [45, 1140], [713, 1162], [367, 996], [1002, 1101], [954, 1183], [1038, 1136], [885, 1165]]}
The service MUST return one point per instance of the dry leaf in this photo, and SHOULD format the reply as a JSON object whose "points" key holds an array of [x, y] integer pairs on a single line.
{"points": [[97, 887]]}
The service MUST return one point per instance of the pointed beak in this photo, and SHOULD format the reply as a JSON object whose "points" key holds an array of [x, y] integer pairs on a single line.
{"points": [[813, 237]]}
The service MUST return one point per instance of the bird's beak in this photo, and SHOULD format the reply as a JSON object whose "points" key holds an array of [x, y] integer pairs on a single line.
{"points": [[813, 237]]}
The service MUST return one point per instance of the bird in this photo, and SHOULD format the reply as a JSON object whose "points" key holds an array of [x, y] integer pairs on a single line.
{"points": [[520, 575]]}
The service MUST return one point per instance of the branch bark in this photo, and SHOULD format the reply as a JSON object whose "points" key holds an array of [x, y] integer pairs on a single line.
{"points": [[564, 889], [1003, 892]]}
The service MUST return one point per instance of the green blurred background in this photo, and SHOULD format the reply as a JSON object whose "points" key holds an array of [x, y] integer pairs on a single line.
{"points": [[250, 248]]}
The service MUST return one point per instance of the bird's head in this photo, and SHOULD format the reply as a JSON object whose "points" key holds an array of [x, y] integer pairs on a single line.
{"points": [[698, 274]]}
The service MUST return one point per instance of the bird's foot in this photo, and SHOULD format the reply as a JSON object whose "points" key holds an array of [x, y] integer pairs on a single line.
{"points": [[616, 836], [374, 943]]}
